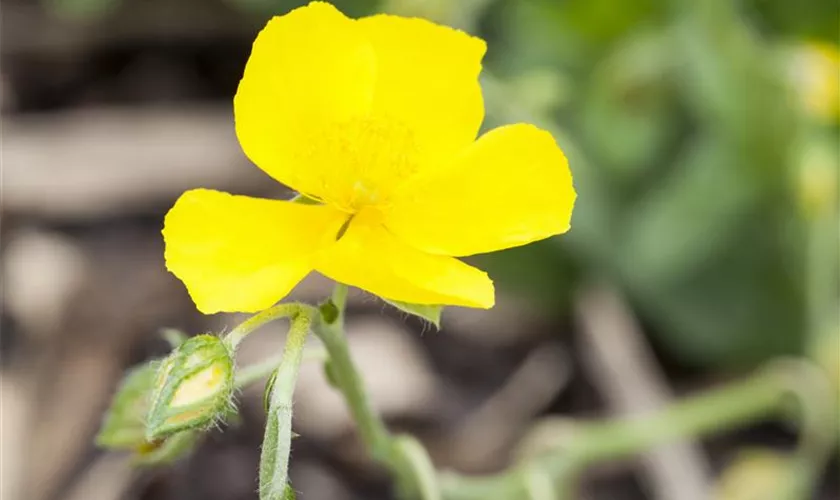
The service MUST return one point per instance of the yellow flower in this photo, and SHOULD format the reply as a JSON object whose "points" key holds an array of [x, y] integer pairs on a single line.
{"points": [[376, 119], [815, 71]]}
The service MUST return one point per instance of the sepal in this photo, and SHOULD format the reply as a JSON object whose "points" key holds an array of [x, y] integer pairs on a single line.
{"points": [[193, 388]]}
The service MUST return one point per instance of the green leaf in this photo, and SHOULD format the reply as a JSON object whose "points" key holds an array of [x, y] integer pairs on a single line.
{"points": [[289, 493], [430, 313]]}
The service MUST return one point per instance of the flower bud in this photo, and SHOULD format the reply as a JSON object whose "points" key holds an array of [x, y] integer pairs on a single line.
{"points": [[124, 426], [814, 70], [193, 388]]}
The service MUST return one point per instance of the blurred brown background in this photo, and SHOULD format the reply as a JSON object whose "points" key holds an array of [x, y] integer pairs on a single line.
{"points": [[690, 262]]}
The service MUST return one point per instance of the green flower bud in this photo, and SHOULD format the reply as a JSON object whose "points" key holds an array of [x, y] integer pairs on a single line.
{"points": [[193, 389], [124, 425]]}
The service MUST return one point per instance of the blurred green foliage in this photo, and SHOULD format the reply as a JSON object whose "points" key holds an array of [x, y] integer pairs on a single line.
{"points": [[682, 134]]}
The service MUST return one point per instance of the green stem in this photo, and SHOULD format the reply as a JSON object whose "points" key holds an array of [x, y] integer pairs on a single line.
{"points": [[238, 334], [403, 456], [540, 485], [596, 442], [702, 415], [339, 300], [417, 473], [816, 413], [754, 398], [343, 372], [274, 459]]}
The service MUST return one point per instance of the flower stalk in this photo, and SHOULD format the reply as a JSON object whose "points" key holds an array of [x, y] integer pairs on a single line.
{"points": [[371, 428], [763, 395], [274, 460], [402, 455], [279, 311]]}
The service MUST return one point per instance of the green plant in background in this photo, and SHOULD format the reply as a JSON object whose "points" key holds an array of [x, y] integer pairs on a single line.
{"points": [[685, 134], [689, 183]]}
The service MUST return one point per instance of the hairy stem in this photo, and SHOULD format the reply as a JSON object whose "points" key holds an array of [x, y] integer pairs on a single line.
{"points": [[238, 334], [344, 374], [274, 459], [403, 456], [760, 396], [763, 395]]}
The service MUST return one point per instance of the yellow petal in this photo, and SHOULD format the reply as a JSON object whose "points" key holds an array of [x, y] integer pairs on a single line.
{"points": [[427, 80], [309, 71], [511, 187], [242, 254], [344, 111], [369, 257]]}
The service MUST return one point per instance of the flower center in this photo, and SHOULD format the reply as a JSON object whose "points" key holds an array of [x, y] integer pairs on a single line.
{"points": [[367, 216], [368, 158]]}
